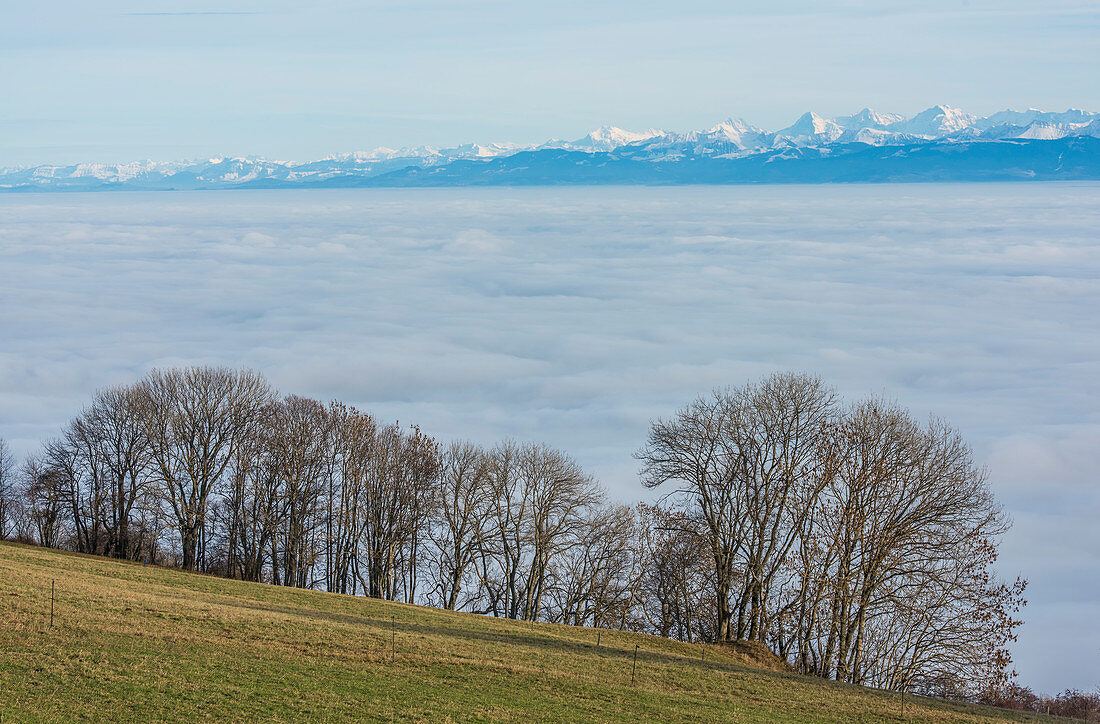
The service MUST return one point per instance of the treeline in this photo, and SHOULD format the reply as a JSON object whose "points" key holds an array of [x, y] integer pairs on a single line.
{"points": [[853, 541], [1071, 703]]}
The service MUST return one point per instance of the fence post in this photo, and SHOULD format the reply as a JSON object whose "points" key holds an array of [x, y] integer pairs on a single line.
{"points": [[598, 634], [634, 670], [393, 628], [52, 583]]}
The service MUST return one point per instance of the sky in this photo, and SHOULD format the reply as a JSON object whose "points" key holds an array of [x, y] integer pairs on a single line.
{"points": [[576, 316], [119, 80]]}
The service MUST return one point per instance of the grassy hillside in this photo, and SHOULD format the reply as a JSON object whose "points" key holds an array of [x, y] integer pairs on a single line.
{"points": [[131, 643]]}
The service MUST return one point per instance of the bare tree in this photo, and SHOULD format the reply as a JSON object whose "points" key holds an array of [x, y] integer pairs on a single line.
{"points": [[350, 465], [459, 527], [73, 462], [865, 540], [560, 495], [102, 458], [676, 588], [593, 581], [499, 559], [193, 419], [911, 525], [394, 509], [115, 418], [540, 498], [7, 490], [777, 431], [691, 449], [250, 508], [300, 435], [43, 494]]}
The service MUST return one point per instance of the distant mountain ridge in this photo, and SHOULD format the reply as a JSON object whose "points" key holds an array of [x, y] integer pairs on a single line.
{"points": [[938, 144]]}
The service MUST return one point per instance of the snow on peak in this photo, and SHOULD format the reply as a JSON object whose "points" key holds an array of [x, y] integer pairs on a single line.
{"points": [[867, 118], [1088, 129], [385, 153], [1069, 118], [1045, 131], [607, 138], [935, 121], [809, 128], [737, 125], [733, 131]]}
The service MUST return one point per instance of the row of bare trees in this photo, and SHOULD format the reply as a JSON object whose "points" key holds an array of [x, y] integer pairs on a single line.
{"points": [[853, 541], [210, 470]]}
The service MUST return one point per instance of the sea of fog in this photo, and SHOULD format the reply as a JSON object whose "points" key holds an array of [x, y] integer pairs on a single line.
{"points": [[577, 315]]}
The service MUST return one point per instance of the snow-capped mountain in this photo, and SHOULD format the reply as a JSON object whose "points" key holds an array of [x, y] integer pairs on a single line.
{"points": [[1089, 129], [1072, 117], [731, 137], [608, 138], [809, 130], [867, 119], [808, 140], [935, 122], [735, 131]]}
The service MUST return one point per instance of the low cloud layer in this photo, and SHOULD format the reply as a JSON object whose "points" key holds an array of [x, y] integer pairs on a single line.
{"points": [[576, 316]]}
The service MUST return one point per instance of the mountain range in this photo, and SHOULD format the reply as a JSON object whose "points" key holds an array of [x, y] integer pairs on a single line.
{"points": [[938, 144]]}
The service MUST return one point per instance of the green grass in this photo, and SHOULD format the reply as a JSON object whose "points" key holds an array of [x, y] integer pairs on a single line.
{"points": [[135, 643]]}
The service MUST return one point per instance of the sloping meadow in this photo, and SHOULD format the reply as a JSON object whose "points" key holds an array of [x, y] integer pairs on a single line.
{"points": [[130, 642]]}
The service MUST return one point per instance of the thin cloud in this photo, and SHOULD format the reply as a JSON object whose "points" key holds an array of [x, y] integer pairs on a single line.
{"points": [[191, 12]]}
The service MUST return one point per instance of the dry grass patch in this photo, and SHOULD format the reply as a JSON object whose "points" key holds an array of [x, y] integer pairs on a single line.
{"points": [[131, 642]]}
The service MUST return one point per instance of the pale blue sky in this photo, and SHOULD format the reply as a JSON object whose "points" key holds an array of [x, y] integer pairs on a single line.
{"points": [[124, 79]]}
